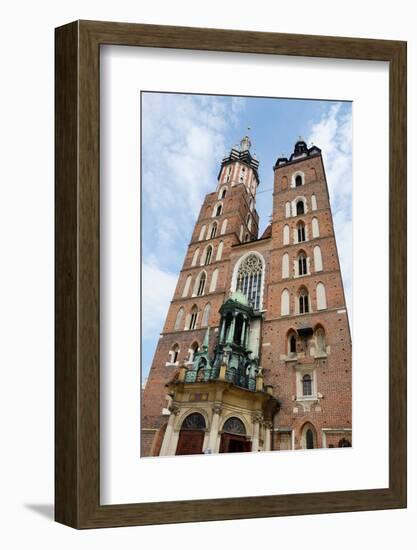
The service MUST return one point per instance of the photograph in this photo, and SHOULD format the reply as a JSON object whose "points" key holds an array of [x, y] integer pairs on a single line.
{"points": [[246, 274]]}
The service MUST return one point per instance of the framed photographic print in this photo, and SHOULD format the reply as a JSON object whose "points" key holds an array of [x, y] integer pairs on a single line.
{"points": [[230, 274]]}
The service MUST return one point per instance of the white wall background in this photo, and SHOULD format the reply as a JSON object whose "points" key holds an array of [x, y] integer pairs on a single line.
{"points": [[26, 285]]}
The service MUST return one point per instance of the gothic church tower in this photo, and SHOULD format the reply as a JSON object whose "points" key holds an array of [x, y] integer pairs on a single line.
{"points": [[255, 353]]}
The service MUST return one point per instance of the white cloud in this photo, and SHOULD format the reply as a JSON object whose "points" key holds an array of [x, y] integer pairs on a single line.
{"points": [[183, 136], [158, 287], [333, 134]]}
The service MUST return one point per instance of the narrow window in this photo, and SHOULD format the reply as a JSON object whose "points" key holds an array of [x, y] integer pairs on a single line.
{"points": [[293, 344], [193, 318], [201, 284], [213, 231], [303, 301], [173, 354], [321, 296], [224, 193], [300, 208], [218, 210], [206, 315], [302, 264], [298, 181], [219, 251], [301, 232], [286, 235], [307, 386], [209, 252], [178, 320], [224, 227]]}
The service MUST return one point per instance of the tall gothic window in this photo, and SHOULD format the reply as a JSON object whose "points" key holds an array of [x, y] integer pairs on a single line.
{"points": [[213, 230], [303, 301], [178, 320], [223, 193], [193, 318], [301, 232], [249, 279], [219, 210], [208, 255], [302, 264], [201, 284], [298, 180], [300, 208]]}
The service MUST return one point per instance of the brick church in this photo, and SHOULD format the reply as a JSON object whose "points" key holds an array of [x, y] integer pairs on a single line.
{"points": [[255, 353]]}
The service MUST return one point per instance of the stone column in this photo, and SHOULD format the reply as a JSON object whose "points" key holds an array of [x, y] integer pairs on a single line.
{"points": [[231, 331], [267, 442], [256, 419], [214, 430], [243, 333], [174, 410], [222, 330]]}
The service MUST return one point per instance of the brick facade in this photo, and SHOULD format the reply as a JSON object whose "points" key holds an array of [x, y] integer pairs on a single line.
{"points": [[322, 336]]}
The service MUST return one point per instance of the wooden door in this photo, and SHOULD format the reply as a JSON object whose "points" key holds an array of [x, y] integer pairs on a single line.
{"points": [[190, 442]]}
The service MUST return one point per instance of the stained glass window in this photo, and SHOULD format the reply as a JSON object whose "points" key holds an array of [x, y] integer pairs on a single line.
{"points": [[249, 279]]}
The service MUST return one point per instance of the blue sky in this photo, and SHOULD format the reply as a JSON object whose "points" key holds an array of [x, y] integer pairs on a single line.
{"points": [[184, 138]]}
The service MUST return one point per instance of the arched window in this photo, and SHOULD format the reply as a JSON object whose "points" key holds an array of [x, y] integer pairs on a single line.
{"points": [[195, 257], [201, 283], [219, 251], [313, 202], [213, 230], [247, 237], [313, 174], [173, 354], [320, 338], [192, 351], [285, 266], [234, 426], [287, 209], [285, 302], [308, 437], [321, 296], [178, 320], [303, 306], [209, 252], [213, 282], [186, 286], [302, 264], [202, 232], [300, 208], [298, 180], [307, 386], [249, 279], [193, 318], [222, 192], [318, 264], [217, 210], [301, 232], [224, 227], [292, 343], [194, 421], [286, 235], [206, 315], [315, 228]]}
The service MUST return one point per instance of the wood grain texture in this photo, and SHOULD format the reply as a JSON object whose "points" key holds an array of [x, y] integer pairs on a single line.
{"points": [[77, 403]]}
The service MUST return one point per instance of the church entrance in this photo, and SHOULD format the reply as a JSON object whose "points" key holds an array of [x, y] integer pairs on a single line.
{"points": [[190, 441], [231, 443], [233, 439]]}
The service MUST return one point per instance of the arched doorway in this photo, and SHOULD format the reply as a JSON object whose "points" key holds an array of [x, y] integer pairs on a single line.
{"points": [[190, 441], [233, 439], [309, 436]]}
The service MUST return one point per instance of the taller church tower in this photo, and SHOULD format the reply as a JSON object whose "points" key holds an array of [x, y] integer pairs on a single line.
{"points": [[255, 353]]}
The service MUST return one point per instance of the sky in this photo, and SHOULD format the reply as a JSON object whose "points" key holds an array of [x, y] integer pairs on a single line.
{"points": [[185, 137]]}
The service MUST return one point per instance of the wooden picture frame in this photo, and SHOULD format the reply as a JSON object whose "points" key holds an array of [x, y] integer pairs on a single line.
{"points": [[77, 405]]}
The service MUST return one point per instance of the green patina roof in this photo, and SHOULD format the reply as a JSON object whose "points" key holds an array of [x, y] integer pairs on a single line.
{"points": [[239, 297]]}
